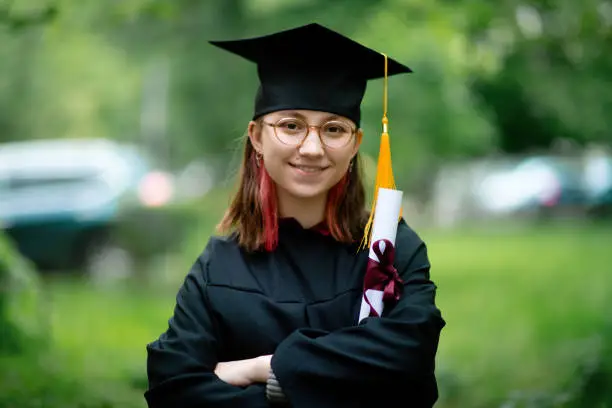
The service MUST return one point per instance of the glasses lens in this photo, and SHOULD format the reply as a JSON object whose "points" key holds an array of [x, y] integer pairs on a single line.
{"points": [[291, 130], [336, 133]]}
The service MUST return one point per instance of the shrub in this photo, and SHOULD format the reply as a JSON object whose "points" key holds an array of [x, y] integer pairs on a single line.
{"points": [[21, 318]]}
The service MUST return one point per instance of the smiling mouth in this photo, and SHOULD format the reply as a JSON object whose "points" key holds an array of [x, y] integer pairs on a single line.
{"points": [[308, 169]]}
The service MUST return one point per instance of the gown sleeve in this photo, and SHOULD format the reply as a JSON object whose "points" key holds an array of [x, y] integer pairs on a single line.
{"points": [[181, 362], [386, 361]]}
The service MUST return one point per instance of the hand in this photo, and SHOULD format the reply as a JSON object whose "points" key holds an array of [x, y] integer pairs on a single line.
{"points": [[242, 373]]}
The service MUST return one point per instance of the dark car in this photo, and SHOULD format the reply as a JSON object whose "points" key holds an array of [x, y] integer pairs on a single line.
{"points": [[62, 200], [598, 179]]}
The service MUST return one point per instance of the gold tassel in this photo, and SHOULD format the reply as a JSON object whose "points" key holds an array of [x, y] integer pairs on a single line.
{"points": [[384, 168]]}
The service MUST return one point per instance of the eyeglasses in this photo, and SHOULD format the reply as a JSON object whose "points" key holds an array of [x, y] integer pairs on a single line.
{"points": [[293, 131]]}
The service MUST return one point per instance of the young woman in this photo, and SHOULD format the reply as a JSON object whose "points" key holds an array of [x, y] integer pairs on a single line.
{"points": [[268, 314]]}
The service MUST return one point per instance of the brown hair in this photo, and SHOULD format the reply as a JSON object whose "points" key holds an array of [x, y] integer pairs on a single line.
{"points": [[253, 212]]}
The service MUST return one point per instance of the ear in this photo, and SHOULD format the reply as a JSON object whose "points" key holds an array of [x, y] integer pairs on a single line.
{"points": [[254, 131], [358, 139]]}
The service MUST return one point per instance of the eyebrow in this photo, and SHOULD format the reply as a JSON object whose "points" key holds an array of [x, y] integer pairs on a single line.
{"points": [[299, 115]]}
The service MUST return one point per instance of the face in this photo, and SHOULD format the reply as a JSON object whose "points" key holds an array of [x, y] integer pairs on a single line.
{"points": [[308, 167]]}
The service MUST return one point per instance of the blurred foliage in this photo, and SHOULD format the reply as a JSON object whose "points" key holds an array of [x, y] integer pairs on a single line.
{"points": [[526, 314], [34, 371], [22, 322], [592, 387], [10, 338]]}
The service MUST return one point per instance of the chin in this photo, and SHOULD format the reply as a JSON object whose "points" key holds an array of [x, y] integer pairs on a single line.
{"points": [[306, 192]]}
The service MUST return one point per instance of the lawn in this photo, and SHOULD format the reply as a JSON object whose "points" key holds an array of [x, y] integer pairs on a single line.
{"points": [[523, 308]]}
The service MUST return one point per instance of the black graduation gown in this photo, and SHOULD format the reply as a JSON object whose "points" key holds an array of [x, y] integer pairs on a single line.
{"points": [[300, 303]]}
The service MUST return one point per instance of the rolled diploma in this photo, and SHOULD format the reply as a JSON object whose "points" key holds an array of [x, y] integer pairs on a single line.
{"points": [[386, 217]]}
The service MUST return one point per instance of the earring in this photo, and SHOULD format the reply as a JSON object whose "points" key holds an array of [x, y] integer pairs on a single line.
{"points": [[258, 157], [350, 169]]}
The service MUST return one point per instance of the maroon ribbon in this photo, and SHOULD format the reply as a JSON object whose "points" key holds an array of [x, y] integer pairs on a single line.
{"points": [[383, 276]]}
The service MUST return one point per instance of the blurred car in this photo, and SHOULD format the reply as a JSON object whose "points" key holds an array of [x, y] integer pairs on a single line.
{"points": [[62, 200], [598, 182], [542, 185]]}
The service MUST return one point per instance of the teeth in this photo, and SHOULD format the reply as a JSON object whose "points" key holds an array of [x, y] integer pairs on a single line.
{"points": [[309, 169]]}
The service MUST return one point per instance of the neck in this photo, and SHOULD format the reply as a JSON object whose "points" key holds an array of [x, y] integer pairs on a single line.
{"points": [[307, 211]]}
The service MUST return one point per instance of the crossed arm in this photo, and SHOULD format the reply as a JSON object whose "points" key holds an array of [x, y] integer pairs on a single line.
{"points": [[314, 367]]}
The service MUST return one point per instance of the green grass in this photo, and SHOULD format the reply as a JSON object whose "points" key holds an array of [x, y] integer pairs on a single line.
{"points": [[521, 307], [98, 356], [107, 329]]}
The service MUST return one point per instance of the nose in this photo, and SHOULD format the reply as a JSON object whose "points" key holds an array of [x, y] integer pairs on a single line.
{"points": [[312, 146]]}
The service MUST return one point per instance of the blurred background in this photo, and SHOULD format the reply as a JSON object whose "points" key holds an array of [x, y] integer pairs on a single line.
{"points": [[120, 137]]}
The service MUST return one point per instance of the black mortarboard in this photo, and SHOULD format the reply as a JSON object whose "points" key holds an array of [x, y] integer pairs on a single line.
{"points": [[311, 67]]}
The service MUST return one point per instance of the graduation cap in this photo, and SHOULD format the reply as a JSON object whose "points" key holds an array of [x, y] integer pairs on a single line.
{"points": [[311, 67], [315, 68]]}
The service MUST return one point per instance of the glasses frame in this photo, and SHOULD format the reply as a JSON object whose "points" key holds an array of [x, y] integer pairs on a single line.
{"points": [[308, 127]]}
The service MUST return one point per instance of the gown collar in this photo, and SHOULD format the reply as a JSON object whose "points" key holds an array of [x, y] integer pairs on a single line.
{"points": [[320, 228]]}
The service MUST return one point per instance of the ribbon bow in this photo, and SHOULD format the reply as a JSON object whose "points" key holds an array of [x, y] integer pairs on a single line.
{"points": [[382, 275]]}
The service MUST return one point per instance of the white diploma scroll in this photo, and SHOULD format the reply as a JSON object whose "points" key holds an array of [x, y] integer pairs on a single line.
{"points": [[384, 226]]}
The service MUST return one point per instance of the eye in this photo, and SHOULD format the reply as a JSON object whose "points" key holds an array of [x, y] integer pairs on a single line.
{"points": [[291, 125], [336, 129]]}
